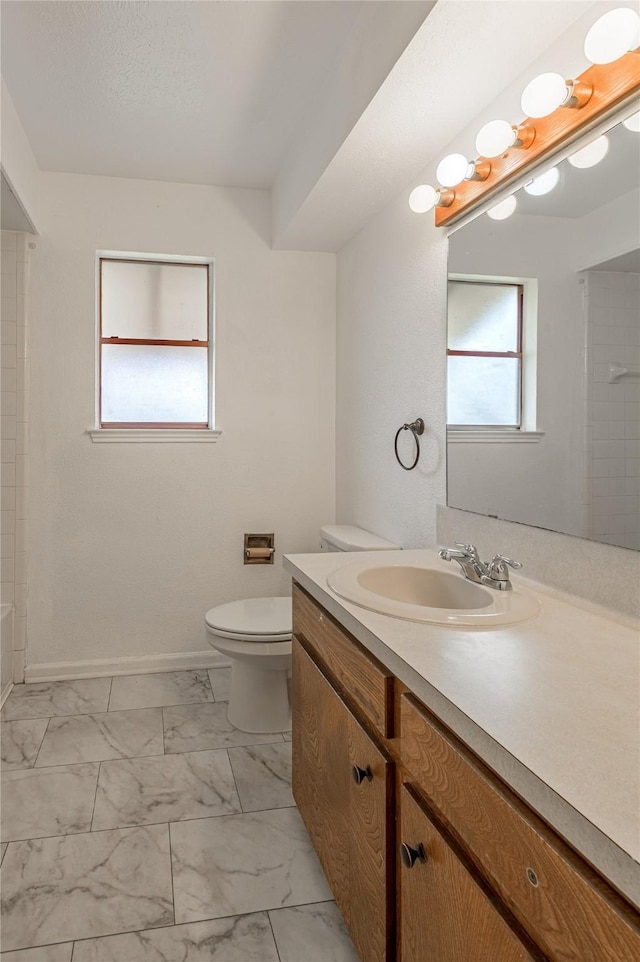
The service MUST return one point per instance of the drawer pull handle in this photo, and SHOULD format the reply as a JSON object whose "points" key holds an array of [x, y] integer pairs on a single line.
{"points": [[411, 855], [359, 774]]}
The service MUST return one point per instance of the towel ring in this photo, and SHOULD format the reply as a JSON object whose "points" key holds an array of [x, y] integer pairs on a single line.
{"points": [[417, 428]]}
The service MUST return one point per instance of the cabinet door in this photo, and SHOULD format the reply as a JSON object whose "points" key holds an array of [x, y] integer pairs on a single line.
{"points": [[321, 785], [343, 786], [371, 822], [445, 914]]}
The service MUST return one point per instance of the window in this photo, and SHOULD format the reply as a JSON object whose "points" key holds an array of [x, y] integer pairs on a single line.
{"points": [[155, 343], [484, 353]]}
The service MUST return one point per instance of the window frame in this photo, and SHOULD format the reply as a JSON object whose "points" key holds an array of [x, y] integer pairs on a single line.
{"points": [[526, 430], [157, 430]]}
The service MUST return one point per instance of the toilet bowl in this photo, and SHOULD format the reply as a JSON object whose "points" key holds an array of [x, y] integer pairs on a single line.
{"points": [[255, 635]]}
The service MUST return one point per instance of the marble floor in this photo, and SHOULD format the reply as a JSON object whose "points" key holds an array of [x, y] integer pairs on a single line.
{"points": [[138, 825]]}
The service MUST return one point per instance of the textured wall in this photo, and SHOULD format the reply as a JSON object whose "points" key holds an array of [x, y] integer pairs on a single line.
{"points": [[390, 370], [137, 541]]}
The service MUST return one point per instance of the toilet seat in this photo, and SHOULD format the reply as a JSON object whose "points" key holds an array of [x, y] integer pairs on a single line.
{"points": [[252, 619]]}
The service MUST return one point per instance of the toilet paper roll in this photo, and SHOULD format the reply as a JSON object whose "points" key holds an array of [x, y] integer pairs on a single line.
{"points": [[254, 554]]}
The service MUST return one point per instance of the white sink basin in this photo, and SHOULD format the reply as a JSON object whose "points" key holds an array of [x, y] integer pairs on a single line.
{"points": [[415, 591]]}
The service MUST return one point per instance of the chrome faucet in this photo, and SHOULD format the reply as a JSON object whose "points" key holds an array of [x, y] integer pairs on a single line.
{"points": [[493, 574]]}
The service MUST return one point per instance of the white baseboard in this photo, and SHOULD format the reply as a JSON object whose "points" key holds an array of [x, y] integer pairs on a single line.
{"points": [[5, 693], [141, 665]]}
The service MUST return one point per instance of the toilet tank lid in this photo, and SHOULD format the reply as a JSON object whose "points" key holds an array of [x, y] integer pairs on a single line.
{"points": [[348, 537]]}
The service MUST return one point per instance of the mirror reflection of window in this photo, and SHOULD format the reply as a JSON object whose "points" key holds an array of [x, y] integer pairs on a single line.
{"points": [[484, 348]]}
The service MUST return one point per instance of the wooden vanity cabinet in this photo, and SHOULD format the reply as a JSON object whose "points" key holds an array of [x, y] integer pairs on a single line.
{"points": [[343, 786], [376, 776], [446, 913]]}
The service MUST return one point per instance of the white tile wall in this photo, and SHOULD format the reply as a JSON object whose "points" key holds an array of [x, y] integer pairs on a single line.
{"points": [[14, 411], [612, 467]]}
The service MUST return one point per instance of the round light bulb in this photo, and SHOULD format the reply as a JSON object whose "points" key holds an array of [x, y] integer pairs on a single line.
{"points": [[543, 184], [452, 170], [613, 35], [423, 199], [590, 155], [495, 138], [504, 209], [544, 95], [633, 123]]}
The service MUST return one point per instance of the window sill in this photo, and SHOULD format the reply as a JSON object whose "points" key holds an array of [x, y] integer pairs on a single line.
{"points": [[153, 435], [492, 436]]}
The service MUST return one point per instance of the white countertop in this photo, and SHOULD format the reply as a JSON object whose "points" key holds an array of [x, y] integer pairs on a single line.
{"points": [[551, 704]]}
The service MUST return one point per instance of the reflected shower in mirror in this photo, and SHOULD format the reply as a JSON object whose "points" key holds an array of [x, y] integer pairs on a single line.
{"points": [[544, 349]]}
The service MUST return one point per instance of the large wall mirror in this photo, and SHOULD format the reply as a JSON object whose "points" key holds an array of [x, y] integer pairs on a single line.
{"points": [[544, 348]]}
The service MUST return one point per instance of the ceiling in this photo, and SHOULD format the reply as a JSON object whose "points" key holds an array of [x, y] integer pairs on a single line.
{"points": [[336, 107], [196, 92]]}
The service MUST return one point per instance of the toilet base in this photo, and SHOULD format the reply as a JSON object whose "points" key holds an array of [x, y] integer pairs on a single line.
{"points": [[259, 698]]}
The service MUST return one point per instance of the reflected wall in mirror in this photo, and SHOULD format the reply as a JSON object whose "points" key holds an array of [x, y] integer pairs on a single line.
{"points": [[568, 458]]}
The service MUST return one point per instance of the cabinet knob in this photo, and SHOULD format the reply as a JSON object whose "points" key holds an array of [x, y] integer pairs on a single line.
{"points": [[411, 855], [359, 774]]}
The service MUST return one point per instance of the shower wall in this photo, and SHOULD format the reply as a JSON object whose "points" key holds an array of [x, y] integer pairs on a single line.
{"points": [[612, 463]]}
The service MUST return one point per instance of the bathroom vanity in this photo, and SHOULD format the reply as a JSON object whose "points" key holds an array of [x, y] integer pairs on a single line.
{"points": [[472, 795]]}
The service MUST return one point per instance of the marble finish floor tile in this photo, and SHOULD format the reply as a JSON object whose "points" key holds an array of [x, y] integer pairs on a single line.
{"points": [[84, 886], [243, 863], [191, 728], [220, 679], [21, 741], [287, 736], [263, 776], [165, 788], [94, 738], [37, 700], [243, 938], [315, 933], [60, 952], [37, 802], [163, 688]]}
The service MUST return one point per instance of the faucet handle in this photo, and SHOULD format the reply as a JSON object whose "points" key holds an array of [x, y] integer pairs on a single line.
{"points": [[497, 568], [469, 549]]}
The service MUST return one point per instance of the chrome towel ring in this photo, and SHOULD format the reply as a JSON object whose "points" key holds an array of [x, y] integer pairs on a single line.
{"points": [[417, 428]]}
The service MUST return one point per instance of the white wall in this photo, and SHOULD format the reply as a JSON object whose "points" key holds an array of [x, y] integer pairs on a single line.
{"points": [[136, 541], [391, 344]]}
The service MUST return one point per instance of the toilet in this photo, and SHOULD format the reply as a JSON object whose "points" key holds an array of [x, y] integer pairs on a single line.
{"points": [[255, 635]]}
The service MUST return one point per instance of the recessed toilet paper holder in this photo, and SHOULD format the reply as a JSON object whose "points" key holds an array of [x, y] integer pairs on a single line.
{"points": [[259, 549]]}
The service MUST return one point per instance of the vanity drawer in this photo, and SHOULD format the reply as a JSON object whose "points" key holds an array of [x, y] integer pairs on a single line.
{"points": [[361, 679], [566, 908]]}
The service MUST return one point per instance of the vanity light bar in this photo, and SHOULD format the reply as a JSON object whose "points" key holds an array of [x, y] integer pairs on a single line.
{"points": [[561, 107], [612, 84]]}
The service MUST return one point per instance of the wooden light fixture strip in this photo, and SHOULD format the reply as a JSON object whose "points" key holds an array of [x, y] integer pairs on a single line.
{"points": [[612, 84]]}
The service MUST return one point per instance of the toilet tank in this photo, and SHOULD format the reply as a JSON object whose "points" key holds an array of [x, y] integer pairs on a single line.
{"points": [[347, 537]]}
